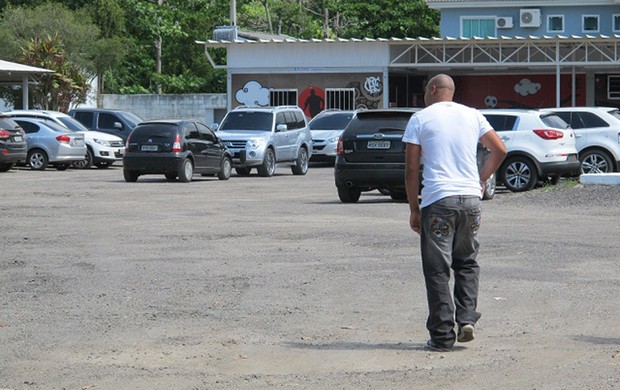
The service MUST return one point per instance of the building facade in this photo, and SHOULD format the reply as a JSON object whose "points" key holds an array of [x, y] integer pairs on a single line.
{"points": [[507, 70]]}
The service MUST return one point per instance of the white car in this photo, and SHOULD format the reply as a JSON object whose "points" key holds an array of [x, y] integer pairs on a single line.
{"points": [[326, 129], [540, 146], [597, 133], [102, 149]]}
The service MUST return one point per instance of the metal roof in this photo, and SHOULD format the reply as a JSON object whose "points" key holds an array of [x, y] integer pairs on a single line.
{"points": [[600, 37], [441, 4], [11, 72]]}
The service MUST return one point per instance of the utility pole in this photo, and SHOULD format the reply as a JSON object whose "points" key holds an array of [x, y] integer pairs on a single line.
{"points": [[158, 43]]}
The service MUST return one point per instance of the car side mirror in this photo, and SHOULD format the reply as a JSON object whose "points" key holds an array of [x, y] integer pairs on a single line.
{"points": [[118, 125], [281, 127], [215, 126]]}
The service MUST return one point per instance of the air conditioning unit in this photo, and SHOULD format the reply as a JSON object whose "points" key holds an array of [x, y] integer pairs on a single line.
{"points": [[225, 33], [530, 17], [503, 22]]}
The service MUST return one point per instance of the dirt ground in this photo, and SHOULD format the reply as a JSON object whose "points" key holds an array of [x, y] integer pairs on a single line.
{"points": [[272, 283]]}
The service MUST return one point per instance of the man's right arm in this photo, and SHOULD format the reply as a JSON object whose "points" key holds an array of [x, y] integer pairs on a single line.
{"points": [[491, 141], [413, 152]]}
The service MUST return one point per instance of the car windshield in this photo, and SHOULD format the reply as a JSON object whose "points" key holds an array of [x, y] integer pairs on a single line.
{"points": [[72, 124], [131, 118], [247, 120], [331, 122], [552, 120]]}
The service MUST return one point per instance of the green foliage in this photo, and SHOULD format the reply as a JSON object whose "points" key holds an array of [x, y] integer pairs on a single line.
{"points": [[116, 39], [58, 90]]}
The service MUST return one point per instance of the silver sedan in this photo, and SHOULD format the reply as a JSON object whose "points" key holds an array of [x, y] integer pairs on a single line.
{"points": [[49, 143]]}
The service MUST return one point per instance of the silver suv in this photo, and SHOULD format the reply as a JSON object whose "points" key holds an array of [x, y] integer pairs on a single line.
{"points": [[260, 137]]}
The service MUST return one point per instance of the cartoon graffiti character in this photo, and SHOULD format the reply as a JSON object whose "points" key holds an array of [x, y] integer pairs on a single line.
{"points": [[253, 94], [526, 87], [314, 103]]}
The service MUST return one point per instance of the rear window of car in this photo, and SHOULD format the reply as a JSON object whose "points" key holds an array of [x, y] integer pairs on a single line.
{"points": [[247, 120], [552, 120], [615, 113], [154, 131]]}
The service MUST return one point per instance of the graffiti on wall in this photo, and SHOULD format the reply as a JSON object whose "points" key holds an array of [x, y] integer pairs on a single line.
{"points": [[312, 101], [368, 94], [253, 94]]}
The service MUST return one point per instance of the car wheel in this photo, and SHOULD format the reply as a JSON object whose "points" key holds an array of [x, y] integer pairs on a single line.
{"points": [[595, 161], [301, 163], [62, 167], [86, 163], [5, 167], [519, 174], [225, 169], [268, 167], [349, 195], [243, 171], [130, 176], [488, 192], [187, 171], [170, 176], [37, 159], [398, 195], [103, 164]]}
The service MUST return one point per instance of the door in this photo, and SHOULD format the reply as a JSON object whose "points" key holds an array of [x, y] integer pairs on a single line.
{"points": [[589, 128], [280, 139], [196, 146], [504, 125], [213, 147]]}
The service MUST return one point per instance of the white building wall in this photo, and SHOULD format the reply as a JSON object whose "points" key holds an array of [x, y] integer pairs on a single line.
{"points": [[304, 55]]}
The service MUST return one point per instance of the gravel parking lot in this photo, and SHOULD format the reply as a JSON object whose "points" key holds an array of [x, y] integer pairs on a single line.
{"points": [[272, 283]]}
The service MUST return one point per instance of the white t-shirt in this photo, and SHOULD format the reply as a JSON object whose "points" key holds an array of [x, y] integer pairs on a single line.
{"points": [[448, 134]]}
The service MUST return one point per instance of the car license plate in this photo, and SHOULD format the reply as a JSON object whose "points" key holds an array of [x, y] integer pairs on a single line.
{"points": [[18, 138], [378, 144], [149, 148], [78, 142]]}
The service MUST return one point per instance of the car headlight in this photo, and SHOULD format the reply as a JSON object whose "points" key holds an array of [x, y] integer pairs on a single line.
{"points": [[102, 142], [332, 140], [255, 143]]}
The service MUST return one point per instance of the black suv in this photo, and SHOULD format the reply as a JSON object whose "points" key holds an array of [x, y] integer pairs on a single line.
{"points": [[175, 148], [371, 155], [13, 146], [116, 122]]}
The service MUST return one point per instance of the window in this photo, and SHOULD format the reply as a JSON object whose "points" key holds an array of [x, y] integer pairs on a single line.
{"points": [[341, 98], [590, 23], [86, 118], [555, 23], [478, 27], [613, 87], [283, 97], [591, 120], [501, 122], [205, 132], [615, 22], [191, 131], [106, 121]]}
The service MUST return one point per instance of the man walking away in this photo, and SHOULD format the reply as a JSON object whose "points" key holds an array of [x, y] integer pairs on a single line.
{"points": [[446, 134]]}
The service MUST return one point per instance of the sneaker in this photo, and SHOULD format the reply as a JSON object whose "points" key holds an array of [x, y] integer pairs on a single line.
{"points": [[433, 346], [466, 333]]}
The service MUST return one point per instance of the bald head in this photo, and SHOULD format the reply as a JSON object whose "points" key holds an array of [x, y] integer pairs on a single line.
{"points": [[440, 88]]}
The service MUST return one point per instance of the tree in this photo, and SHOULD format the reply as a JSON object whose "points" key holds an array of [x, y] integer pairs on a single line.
{"points": [[65, 86]]}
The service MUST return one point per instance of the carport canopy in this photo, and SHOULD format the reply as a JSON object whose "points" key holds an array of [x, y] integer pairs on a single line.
{"points": [[12, 73]]}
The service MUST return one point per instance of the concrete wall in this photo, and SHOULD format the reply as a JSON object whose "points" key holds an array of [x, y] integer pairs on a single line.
{"points": [[208, 108]]}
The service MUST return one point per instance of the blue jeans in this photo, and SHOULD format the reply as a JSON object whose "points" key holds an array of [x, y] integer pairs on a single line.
{"points": [[449, 240]]}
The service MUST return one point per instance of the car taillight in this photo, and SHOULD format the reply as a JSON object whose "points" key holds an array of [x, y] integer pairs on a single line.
{"points": [[176, 147], [339, 147], [127, 145], [63, 139], [549, 134], [4, 134]]}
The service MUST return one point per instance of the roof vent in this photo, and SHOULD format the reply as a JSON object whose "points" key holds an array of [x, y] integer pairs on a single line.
{"points": [[530, 17], [225, 33]]}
